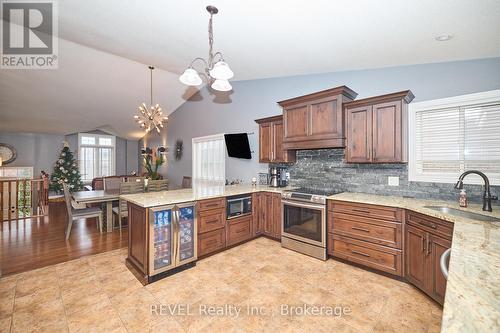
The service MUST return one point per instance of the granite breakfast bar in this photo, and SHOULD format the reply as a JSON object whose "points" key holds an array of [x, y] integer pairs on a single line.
{"points": [[155, 220]]}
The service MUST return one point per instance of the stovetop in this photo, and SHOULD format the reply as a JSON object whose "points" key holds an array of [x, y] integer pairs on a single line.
{"points": [[315, 191]]}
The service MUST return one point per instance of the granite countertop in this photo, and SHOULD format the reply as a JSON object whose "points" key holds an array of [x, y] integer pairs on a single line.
{"points": [[153, 199], [472, 302]]}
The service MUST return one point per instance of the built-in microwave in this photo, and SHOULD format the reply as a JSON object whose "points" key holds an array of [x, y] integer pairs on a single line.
{"points": [[238, 205]]}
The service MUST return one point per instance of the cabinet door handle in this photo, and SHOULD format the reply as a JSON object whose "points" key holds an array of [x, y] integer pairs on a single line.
{"points": [[212, 221], [360, 253], [429, 250], [430, 225], [423, 244], [361, 210], [360, 229]]}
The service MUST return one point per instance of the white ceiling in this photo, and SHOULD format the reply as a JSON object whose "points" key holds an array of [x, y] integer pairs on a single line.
{"points": [[259, 39]]}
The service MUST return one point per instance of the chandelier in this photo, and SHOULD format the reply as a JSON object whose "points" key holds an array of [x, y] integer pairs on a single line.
{"points": [[216, 71], [151, 118]]}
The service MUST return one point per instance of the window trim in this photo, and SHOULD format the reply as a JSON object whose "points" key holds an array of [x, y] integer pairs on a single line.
{"points": [[97, 136], [492, 96]]}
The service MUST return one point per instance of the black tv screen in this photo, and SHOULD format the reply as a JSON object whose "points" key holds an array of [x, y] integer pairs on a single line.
{"points": [[237, 145]]}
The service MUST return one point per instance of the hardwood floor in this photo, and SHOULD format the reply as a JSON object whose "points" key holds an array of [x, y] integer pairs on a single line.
{"points": [[34, 243]]}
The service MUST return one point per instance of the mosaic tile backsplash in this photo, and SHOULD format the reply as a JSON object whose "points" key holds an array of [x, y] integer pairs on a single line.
{"points": [[326, 169]]}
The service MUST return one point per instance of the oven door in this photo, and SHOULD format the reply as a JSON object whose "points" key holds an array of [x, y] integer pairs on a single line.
{"points": [[305, 222]]}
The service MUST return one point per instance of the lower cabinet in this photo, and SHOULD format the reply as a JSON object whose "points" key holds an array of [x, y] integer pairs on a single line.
{"points": [[238, 230], [368, 235], [211, 216], [211, 241], [268, 217], [423, 252]]}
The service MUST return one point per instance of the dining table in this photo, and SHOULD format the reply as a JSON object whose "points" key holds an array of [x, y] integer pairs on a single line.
{"points": [[99, 196]]}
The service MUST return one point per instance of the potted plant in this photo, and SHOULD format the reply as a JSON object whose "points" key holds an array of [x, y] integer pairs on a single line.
{"points": [[152, 162]]}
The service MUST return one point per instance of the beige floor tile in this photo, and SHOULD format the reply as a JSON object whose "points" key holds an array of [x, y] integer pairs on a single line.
{"points": [[99, 294], [96, 319], [5, 324], [7, 302], [41, 317]]}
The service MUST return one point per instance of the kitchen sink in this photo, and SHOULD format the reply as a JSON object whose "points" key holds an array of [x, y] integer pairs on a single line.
{"points": [[458, 212]]}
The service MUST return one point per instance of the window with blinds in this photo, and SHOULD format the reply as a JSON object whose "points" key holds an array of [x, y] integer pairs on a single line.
{"points": [[96, 155], [209, 159], [454, 136]]}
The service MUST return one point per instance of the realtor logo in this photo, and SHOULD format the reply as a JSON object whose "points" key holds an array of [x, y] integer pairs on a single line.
{"points": [[29, 35]]}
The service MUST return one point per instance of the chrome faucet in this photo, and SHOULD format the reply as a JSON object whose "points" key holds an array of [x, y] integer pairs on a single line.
{"points": [[487, 197]]}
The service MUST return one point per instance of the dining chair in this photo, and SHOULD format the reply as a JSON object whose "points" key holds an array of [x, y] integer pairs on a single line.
{"points": [[186, 182], [122, 210], [83, 213], [112, 183], [158, 185]]}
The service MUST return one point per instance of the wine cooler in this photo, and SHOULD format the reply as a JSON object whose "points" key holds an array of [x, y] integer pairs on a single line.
{"points": [[173, 237]]}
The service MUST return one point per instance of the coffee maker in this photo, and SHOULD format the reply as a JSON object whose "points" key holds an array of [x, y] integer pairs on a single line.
{"points": [[277, 176]]}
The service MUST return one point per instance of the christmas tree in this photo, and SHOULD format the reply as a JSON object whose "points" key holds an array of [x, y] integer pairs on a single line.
{"points": [[66, 171]]}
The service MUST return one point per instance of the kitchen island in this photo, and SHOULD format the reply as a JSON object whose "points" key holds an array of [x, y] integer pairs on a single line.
{"points": [[169, 230]]}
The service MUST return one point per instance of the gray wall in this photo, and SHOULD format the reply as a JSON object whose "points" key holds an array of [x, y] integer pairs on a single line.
{"points": [[206, 114], [41, 150]]}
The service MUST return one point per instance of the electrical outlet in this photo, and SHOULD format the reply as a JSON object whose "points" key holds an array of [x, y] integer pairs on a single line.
{"points": [[393, 181]]}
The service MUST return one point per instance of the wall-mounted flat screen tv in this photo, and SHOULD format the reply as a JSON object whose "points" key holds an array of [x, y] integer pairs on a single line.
{"points": [[238, 146]]}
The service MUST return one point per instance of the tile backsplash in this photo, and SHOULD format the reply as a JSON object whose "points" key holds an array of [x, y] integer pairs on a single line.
{"points": [[326, 169]]}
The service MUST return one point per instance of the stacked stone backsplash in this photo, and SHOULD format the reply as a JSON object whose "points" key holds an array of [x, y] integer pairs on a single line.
{"points": [[326, 169]]}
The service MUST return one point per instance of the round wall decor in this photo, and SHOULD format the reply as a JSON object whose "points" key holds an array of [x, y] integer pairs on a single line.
{"points": [[7, 153]]}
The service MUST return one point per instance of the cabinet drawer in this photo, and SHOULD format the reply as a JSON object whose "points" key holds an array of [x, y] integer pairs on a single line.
{"points": [[367, 229], [218, 203], [430, 224], [373, 211], [371, 255], [238, 230], [211, 241], [211, 220]]}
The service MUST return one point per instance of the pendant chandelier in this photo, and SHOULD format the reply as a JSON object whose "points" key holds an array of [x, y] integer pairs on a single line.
{"points": [[152, 117], [216, 71]]}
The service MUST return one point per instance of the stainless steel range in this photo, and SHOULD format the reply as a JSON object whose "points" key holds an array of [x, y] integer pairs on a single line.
{"points": [[303, 227]]}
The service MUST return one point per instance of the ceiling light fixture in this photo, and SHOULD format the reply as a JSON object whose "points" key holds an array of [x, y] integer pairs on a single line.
{"points": [[152, 117], [443, 38], [216, 72]]}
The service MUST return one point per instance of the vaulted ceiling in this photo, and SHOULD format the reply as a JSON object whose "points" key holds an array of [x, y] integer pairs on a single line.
{"points": [[106, 45]]}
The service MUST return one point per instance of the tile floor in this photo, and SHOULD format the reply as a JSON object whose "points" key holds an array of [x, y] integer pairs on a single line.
{"points": [[98, 294]]}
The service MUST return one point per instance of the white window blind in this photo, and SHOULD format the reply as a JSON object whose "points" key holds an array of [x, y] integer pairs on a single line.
{"points": [[455, 137], [209, 156], [96, 155]]}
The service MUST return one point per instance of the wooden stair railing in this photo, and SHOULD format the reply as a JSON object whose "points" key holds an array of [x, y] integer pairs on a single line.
{"points": [[23, 198]]}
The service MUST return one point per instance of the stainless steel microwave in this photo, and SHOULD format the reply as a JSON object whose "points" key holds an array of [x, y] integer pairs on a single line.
{"points": [[238, 206]]}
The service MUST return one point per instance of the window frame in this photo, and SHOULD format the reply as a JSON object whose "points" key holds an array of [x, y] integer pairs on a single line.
{"points": [[97, 160], [486, 97]]}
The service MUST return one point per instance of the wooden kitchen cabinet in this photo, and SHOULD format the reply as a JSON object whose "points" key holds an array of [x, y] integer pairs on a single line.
{"points": [[426, 240], [267, 219], [238, 229], [368, 235], [377, 129], [271, 148], [316, 120], [211, 219]]}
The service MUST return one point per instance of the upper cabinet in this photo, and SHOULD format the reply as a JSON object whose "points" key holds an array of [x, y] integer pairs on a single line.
{"points": [[377, 128], [271, 141], [315, 120]]}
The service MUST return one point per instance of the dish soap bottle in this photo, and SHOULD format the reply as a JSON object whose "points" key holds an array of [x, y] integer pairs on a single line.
{"points": [[462, 199]]}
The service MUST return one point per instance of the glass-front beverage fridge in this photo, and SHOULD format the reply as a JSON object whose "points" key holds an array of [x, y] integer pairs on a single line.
{"points": [[173, 237]]}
